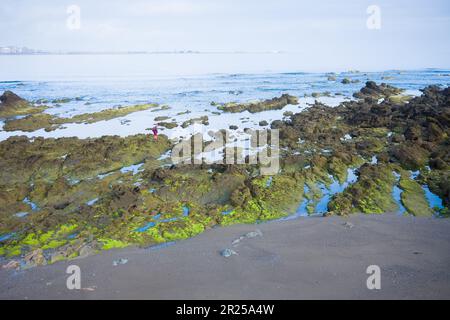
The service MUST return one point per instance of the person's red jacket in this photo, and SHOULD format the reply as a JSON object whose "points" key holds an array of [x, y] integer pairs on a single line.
{"points": [[155, 132]]}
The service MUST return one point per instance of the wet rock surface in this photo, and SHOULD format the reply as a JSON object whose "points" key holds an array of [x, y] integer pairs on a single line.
{"points": [[253, 107], [12, 105], [39, 120], [373, 91]]}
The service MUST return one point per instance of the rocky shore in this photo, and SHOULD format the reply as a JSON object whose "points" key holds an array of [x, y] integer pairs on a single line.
{"points": [[35, 118], [258, 106], [68, 197]]}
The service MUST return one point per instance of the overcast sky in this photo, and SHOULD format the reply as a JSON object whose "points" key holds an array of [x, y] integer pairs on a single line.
{"points": [[415, 31]]}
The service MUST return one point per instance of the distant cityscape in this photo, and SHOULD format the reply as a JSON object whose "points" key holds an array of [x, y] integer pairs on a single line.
{"points": [[14, 50], [19, 50]]}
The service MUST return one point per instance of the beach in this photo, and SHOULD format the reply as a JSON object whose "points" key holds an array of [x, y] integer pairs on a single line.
{"points": [[305, 258]]}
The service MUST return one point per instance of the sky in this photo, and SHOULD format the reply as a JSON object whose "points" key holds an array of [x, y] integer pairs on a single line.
{"points": [[412, 33]]}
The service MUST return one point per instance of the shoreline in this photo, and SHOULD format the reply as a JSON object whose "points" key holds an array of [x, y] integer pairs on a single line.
{"points": [[305, 258]]}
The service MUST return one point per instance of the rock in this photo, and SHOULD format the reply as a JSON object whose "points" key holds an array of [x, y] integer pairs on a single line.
{"points": [[240, 196], [263, 123], [57, 256], [168, 125], [62, 100], [438, 163], [13, 264], [346, 81], [233, 127], [10, 99], [13, 105], [348, 225], [226, 253], [398, 138], [162, 118], [35, 258], [86, 251], [331, 78], [253, 234], [258, 106], [91, 288], [203, 120], [120, 261], [374, 91], [36, 119], [235, 242], [414, 133], [249, 235], [410, 155]]}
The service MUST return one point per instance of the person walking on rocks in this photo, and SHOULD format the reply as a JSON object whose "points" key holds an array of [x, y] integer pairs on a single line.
{"points": [[155, 133]]}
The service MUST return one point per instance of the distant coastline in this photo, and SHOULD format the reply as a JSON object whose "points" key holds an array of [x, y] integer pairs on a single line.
{"points": [[13, 50]]}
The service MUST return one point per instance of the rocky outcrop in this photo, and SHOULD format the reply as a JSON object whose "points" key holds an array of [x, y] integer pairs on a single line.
{"points": [[49, 122], [13, 105], [258, 106], [373, 91]]}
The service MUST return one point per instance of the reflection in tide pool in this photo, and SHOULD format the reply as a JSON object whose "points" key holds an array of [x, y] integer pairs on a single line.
{"points": [[433, 199], [33, 206], [327, 193], [397, 194], [92, 202], [5, 237], [301, 211], [227, 212], [158, 219], [374, 160], [414, 174], [135, 168], [21, 214], [146, 227]]}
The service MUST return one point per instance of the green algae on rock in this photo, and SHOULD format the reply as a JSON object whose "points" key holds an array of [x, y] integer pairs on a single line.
{"points": [[50, 122], [168, 125], [12, 105], [258, 106], [372, 193], [413, 197], [203, 120]]}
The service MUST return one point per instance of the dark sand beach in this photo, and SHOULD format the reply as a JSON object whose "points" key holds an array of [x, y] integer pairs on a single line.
{"points": [[306, 258]]}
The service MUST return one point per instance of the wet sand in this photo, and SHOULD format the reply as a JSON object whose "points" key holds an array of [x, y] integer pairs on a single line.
{"points": [[306, 258]]}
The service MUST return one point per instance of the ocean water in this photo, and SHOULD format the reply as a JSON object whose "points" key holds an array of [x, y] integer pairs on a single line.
{"points": [[194, 94], [183, 82]]}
